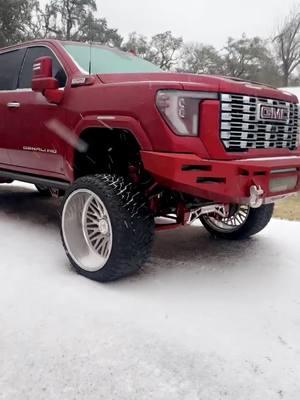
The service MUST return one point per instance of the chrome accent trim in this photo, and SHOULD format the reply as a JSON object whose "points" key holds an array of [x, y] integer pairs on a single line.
{"points": [[283, 171], [242, 128], [218, 209], [279, 197], [13, 104], [271, 158], [106, 117]]}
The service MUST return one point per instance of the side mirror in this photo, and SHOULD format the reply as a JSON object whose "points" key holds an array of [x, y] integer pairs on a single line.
{"points": [[43, 81]]}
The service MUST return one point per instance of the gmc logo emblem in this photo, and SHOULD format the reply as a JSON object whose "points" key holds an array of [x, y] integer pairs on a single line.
{"points": [[273, 113]]}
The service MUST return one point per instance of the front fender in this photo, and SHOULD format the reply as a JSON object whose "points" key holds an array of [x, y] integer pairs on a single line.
{"points": [[115, 122], [109, 122]]}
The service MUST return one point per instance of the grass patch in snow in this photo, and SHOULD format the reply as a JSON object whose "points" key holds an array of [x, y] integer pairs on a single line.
{"points": [[288, 209]]}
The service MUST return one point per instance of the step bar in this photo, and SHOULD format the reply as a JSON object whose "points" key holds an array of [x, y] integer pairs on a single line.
{"points": [[36, 180]]}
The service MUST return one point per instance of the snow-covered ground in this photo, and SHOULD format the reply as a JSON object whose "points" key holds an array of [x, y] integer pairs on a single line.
{"points": [[205, 320]]}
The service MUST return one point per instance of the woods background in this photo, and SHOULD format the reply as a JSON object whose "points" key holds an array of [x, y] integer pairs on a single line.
{"points": [[274, 60]]}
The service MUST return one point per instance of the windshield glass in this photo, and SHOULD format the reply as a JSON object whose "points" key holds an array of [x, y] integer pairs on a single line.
{"points": [[106, 60]]}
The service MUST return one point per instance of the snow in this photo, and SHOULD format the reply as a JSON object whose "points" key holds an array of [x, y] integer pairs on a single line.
{"points": [[205, 319]]}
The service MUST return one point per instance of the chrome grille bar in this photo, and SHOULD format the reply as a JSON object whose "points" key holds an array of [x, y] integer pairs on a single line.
{"points": [[241, 128]]}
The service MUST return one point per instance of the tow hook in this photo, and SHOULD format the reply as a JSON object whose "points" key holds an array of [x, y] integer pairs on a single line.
{"points": [[54, 192], [256, 196]]}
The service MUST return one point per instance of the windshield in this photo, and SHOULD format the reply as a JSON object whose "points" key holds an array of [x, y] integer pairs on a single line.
{"points": [[106, 60]]}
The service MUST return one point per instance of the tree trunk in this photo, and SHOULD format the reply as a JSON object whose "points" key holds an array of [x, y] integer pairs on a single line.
{"points": [[69, 21], [286, 77]]}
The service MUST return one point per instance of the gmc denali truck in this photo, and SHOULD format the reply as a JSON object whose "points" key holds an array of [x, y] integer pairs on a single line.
{"points": [[134, 149]]}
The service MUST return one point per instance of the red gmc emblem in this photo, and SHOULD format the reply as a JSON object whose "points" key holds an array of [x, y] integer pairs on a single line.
{"points": [[273, 113]]}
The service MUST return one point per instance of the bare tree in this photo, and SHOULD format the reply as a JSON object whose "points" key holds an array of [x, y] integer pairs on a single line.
{"points": [[287, 45], [97, 30], [199, 58], [164, 49], [66, 17], [245, 57], [15, 20], [138, 44]]}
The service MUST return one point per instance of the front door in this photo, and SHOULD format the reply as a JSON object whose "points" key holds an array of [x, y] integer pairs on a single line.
{"points": [[10, 64], [36, 147]]}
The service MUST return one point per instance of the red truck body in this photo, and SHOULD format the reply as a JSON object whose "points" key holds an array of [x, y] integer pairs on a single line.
{"points": [[200, 165], [127, 144]]}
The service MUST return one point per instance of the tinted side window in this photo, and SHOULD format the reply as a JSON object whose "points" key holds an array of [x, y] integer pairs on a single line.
{"points": [[10, 64], [31, 55]]}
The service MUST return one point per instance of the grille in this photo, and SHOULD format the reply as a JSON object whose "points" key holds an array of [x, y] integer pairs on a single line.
{"points": [[241, 128]]}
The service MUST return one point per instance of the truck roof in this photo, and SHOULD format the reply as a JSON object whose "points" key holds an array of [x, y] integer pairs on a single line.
{"points": [[53, 41]]}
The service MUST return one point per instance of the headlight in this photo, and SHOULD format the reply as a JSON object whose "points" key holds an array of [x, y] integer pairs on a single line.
{"points": [[180, 109]]}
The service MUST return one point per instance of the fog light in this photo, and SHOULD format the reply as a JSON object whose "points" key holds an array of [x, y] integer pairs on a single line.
{"points": [[285, 184]]}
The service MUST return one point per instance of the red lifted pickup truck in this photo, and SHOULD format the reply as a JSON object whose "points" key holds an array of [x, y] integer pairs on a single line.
{"points": [[127, 144]]}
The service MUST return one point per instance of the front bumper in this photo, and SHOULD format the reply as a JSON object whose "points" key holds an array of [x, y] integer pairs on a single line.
{"points": [[225, 181]]}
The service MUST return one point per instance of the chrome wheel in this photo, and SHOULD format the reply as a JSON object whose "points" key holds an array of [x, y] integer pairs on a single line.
{"points": [[86, 229], [236, 218]]}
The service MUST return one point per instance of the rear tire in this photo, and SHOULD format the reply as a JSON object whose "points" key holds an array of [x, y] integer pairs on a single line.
{"points": [[253, 220], [107, 228]]}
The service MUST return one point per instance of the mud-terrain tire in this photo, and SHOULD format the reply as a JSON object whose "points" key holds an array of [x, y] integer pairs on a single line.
{"points": [[106, 227], [254, 221]]}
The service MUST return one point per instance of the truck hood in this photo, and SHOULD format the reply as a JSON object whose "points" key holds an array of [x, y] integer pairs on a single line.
{"points": [[210, 83]]}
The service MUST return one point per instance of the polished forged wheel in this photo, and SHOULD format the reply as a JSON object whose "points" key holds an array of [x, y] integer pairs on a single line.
{"points": [[107, 228], [236, 217], [240, 223], [87, 230]]}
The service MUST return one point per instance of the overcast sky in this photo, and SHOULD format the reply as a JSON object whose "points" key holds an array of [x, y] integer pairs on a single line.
{"points": [[208, 21]]}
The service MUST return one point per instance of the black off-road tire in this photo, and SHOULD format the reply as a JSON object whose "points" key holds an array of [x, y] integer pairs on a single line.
{"points": [[257, 220], [132, 225]]}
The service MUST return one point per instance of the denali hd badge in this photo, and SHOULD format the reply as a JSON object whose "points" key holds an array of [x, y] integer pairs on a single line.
{"points": [[273, 113]]}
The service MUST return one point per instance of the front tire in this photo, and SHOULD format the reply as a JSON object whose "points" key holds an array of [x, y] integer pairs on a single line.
{"points": [[242, 223], [107, 229]]}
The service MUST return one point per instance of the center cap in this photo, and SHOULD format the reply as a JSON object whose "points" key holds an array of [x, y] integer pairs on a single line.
{"points": [[103, 227]]}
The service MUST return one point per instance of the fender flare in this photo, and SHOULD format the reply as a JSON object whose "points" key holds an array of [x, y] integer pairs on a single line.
{"points": [[126, 123]]}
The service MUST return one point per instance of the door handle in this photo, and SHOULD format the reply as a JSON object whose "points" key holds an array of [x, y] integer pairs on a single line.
{"points": [[13, 104]]}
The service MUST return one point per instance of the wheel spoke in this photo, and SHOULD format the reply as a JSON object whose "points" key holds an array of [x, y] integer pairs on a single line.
{"points": [[92, 213], [95, 207], [98, 243], [102, 245], [93, 230], [91, 220], [95, 219]]}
